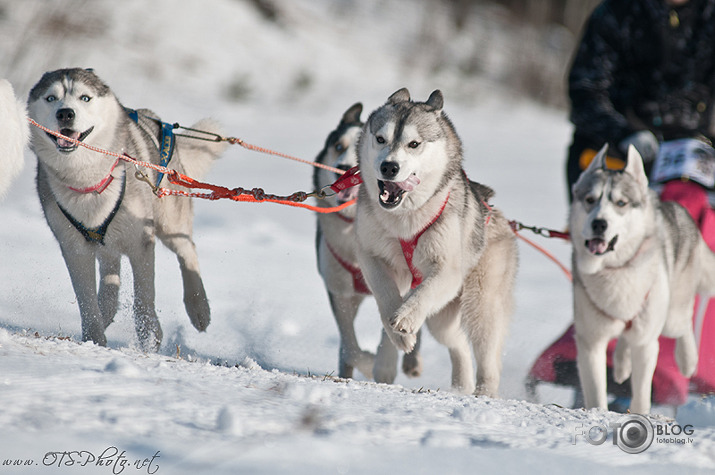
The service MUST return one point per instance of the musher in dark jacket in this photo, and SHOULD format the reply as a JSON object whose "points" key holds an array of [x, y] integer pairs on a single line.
{"points": [[643, 73]]}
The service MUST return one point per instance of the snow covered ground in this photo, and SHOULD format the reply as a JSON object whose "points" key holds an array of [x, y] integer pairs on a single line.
{"points": [[255, 393]]}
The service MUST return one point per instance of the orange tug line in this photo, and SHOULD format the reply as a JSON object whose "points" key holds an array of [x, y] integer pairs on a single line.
{"points": [[255, 195]]}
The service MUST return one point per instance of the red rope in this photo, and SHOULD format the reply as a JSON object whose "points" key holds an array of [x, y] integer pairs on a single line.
{"points": [[267, 151], [256, 195]]}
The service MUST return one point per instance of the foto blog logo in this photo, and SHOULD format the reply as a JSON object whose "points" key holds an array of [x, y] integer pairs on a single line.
{"points": [[632, 433]]}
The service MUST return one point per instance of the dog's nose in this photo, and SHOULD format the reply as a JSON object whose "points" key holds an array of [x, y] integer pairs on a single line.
{"points": [[65, 115], [599, 226], [389, 170], [344, 167]]}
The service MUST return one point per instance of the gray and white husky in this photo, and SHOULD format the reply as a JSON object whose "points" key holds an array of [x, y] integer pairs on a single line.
{"points": [[336, 249], [15, 133], [638, 264], [431, 248], [98, 211]]}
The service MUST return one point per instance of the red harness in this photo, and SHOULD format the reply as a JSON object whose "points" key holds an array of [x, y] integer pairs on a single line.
{"points": [[409, 246], [359, 284], [352, 178], [99, 187]]}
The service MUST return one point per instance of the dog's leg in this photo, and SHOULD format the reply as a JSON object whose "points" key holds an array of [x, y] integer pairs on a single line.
{"points": [[686, 354], [109, 268], [385, 369], [591, 362], [446, 328], [351, 356], [195, 300], [412, 361], [645, 358], [81, 266], [436, 291], [622, 361], [145, 320], [388, 299], [487, 301]]}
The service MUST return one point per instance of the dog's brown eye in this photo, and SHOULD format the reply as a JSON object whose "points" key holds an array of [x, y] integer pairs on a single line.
{"points": [[413, 144], [590, 200], [380, 139]]}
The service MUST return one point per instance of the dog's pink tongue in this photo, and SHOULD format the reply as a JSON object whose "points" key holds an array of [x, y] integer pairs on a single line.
{"points": [[597, 246], [67, 133], [409, 184]]}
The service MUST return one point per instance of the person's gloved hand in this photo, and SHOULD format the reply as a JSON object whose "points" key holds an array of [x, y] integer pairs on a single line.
{"points": [[644, 141]]}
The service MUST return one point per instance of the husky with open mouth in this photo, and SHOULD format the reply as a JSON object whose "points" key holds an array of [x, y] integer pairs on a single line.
{"points": [[432, 248], [15, 133], [98, 211], [336, 249], [637, 265]]}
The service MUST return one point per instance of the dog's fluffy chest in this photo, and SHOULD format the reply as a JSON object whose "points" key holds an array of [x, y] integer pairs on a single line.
{"points": [[624, 292]]}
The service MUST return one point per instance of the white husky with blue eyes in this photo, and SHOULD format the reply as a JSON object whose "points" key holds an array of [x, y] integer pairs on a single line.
{"points": [[432, 249], [98, 211], [637, 265]]}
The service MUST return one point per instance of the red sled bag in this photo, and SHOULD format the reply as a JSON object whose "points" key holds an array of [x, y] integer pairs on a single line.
{"points": [[557, 364]]}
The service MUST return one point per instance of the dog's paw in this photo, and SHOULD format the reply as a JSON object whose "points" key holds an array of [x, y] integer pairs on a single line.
{"points": [[384, 371], [404, 341], [412, 364], [405, 320]]}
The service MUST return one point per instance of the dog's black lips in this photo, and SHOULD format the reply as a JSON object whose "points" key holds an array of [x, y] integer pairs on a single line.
{"points": [[598, 247], [66, 146], [390, 194]]}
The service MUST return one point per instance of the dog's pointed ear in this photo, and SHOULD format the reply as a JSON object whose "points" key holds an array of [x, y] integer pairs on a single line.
{"points": [[402, 95], [597, 163], [352, 115], [436, 100], [634, 166]]}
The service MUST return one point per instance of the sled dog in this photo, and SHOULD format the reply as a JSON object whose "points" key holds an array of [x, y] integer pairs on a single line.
{"points": [[98, 211], [14, 126], [336, 249], [431, 248], [638, 264]]}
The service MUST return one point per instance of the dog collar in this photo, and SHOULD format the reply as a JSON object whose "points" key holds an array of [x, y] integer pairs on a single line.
{"points": [[359, 284], [409, 246], [344, 218], [101, 186]]}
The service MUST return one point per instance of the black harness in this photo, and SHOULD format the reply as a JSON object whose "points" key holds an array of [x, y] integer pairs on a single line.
{"points": [[97, 234]]}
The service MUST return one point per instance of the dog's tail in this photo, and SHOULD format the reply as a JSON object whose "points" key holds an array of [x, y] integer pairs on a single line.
{"points": [[15, 133], [197, 156]]}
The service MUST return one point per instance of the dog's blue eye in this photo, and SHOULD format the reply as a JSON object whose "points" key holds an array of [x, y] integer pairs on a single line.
{"points": [[85, 98], [413, 144], [51, 98], [621, 203], [380, 139], [339, 147]]}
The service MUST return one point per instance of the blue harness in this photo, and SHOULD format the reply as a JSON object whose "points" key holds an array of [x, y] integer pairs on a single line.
{"points": [[167, 140]]}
